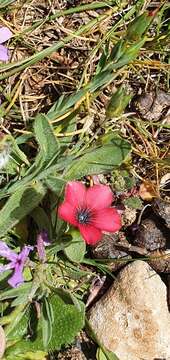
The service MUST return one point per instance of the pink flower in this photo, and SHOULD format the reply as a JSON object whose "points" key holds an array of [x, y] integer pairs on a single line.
{"points": [[89, 210], [5, 34], [17, 262]]}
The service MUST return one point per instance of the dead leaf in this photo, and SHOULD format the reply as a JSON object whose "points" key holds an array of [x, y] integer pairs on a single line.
{"points": [[148, 190]]}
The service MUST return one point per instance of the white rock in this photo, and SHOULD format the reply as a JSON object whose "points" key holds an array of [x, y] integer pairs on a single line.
{"points": [[2, 342], [132, 318]]}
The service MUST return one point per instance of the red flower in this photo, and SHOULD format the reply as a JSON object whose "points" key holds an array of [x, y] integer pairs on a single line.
{"points": [[89, 210]]}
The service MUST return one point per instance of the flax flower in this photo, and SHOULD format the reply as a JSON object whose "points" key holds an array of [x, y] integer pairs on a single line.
{"points": [[90, 210], [5, 34]]}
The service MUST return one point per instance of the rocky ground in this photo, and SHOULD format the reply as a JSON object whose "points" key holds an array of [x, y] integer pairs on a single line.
{"points": [[127, 297]]}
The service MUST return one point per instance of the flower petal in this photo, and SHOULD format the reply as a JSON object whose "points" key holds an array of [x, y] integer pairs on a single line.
{"points": [[6, 267], [107, 220], [17, 278], [67, 213], [22, 256], [6, 252], [5, 34], [75, 193], [3, 53], [90, 234], [99, 197]]}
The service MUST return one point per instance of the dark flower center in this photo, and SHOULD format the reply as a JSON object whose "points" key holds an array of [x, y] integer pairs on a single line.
{"points": [[19, 261], [83, 216]]}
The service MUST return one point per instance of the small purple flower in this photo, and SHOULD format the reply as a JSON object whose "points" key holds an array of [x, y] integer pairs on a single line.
{"points": [[5, 34], [42, 241], [17, 262]]}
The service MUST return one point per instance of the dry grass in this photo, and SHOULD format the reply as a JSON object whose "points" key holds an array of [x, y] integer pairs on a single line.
{"points": [[38, 25]]}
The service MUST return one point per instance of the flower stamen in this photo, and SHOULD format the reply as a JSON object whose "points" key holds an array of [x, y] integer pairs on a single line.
{"points": [[83, 216]]}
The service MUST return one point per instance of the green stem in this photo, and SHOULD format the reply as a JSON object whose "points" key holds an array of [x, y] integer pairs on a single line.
{"points": [[100, 43]]}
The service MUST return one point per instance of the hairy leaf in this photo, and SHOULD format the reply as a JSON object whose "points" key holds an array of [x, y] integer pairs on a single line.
{"points": [[99, 160], [67, 321], [19, 205], [75, 251], [48, 145]]}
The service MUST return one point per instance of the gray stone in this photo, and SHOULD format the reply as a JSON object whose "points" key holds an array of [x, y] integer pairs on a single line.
{"points": [[132, 318]]}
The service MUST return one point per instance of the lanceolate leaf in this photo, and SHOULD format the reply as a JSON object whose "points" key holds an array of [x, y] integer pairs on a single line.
{"points": [[46, 159], [139, 25], [19, 205], [15, 292], [4, 3], [118, 102], [99, 160], [44, 134], [47, 321], [48, 145]]}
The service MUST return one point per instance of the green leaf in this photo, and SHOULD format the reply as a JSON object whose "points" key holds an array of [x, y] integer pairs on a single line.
{"points": [[99, 160], [15, 292], [19, 319], [48, 144], [133, 202], [45, 162], [47, 321], [139, 25], [8, 146], [4, 3], [98, 81], [54, 183], [103, 354], [118, 102], [124, 53], [117, 50], [47, 141], [130, 53], [122, 180], [68, 320], [17, 152], [21, 203], [23, 297], [76, 249], [42, 220], [68, 125], [102, 61], [29, 355]]}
